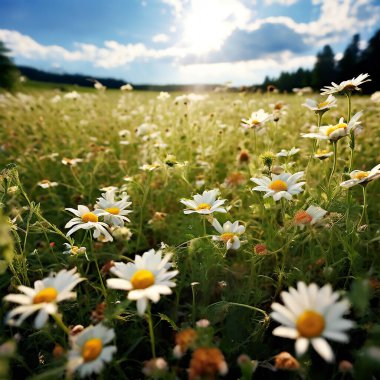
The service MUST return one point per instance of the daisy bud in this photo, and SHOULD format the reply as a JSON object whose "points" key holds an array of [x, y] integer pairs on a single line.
{"points": [[247, 366], [76, 330], [155, 367], [243, 157], [260, 249], [184, 340], [207, 363], [345, 366], [267, 159], [203, 323], [58, 351], [286, 361]]}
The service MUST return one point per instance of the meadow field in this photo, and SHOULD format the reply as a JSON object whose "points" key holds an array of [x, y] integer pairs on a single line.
{"points": [[159, 282]]}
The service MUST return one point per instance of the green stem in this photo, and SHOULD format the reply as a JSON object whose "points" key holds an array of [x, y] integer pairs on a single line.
{"points": [[145, 196], [151, 332], [348, 94], [97, 268], [59, 322], [364, 212], [247, 307], [335, 144]]}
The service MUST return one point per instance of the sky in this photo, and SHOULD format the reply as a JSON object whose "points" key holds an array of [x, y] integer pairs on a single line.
{"points": [[181, 41]]}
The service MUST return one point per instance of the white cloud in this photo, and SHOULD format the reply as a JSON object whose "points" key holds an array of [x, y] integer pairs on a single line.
{"points": [[338, 20], [244, 72], [160, 38], [281, 2]]}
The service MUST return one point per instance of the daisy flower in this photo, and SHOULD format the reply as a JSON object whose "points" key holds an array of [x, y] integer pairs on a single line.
{"points": [[114, 211], [257, 119], [346, 86], [145, 279], [336, 132], [86, 220], [310, 315], [288, 153], [359, 177], [280, 186], [309, 217], [321, 107], [322, 154], [229, 233], [43, 297], [90, 351], [205, 203]]}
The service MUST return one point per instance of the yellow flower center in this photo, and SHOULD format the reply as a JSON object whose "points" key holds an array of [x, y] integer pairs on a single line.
{"points": [[92, 349], [323, 104], [278, 185], [335, 128], [310, 324], [45, 295], [360, 175], [255, 122], [89, 217], [322, 151], [142, 279], [113, 210], [203, 206], [227, 236]]}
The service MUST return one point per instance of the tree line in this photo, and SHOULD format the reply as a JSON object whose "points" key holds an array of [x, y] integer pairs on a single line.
{"points": [[326, 69]]}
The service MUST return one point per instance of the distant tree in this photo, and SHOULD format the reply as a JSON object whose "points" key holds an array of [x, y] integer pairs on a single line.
{"points": [[348, 66], [9, 75], [324, 71], [370, 63]]}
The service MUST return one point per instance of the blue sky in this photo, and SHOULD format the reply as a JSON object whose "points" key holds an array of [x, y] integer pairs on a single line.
{"points": [[181, 41]]}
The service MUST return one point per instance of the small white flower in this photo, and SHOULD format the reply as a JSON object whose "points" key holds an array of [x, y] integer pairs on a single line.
{"points": [[338, 131], [362, 177], [205, 203], [163, 96], [257, 119], [288, 153], [323, 154], [89, 350], [150, 167], [321, 107], [71, 161], [309, 217], [145, 279], [87, 220], [229, 233], [346, 86], [375, 97], [126, 87], [43, 297], [46, 184], [99, 86], [280, 186], [72, 95], [73, 249], [310, 315], [114, 210]]}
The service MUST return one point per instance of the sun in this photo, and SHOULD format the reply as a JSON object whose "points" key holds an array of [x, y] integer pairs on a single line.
{"points": [[207, 25]]}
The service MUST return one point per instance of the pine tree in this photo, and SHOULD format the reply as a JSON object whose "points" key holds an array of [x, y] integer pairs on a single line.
{"points": [[324, 71], [348, 65], [370, 63], [9, 74]]}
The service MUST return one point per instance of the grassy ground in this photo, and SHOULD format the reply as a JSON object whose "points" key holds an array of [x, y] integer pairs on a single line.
{"points": [[195, 146]]}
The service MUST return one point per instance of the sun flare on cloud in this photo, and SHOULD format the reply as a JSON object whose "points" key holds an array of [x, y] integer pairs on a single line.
{"points": [[208, 23]]}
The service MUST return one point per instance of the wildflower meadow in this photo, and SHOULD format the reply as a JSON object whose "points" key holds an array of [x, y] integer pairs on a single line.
{"points": [[190, 236]]}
